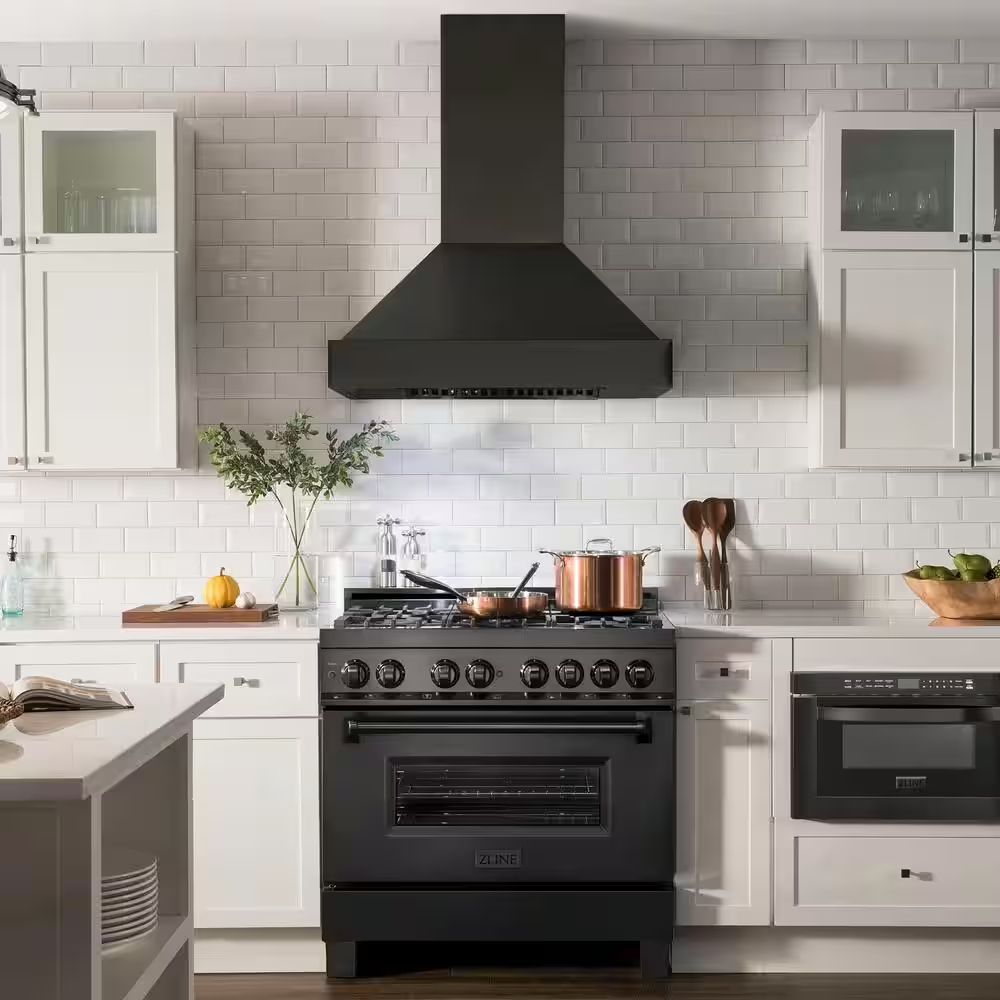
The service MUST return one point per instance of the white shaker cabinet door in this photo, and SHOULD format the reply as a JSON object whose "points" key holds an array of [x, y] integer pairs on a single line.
{"points": [[10, 183], [987, 179], [256, 823], [107, 664], [897, 180], [894, 385], [724, 813], [101, 351], [987, 354], [100, 181], [12, 444]]}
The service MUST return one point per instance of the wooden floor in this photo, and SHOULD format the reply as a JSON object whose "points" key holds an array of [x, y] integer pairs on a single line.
{"points": [[595, 984]]}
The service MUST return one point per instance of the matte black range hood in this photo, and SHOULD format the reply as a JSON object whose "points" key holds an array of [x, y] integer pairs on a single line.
{"points": [[501, 308]]}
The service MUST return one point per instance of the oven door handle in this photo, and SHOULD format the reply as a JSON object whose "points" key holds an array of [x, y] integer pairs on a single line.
{"points": [[884, 714], [640, 728]]}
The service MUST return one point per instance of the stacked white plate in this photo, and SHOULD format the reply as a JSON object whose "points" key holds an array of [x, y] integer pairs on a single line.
{"points": [[129, 896]]}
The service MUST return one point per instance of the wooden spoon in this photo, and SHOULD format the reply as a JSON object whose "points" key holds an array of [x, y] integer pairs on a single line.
{"points": [[695, 520], [714, 512], [727, 528]]}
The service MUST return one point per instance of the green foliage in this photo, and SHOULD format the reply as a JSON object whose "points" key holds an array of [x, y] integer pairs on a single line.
{"points": [[256, 469]]}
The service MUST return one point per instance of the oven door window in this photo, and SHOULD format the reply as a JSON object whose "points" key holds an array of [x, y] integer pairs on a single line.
{"points": [[913, 747], [515, 792], [940, 752]]}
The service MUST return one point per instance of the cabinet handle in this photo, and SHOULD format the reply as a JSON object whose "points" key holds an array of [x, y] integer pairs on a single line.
{"points": [[14, 460], [986, 237], [920, 876], [250, 682], [986, 456], [10, 241], [685, 710], [723, 671], [38, 240], [964, 456], [963, 237], [81, 680], [45, 460]]}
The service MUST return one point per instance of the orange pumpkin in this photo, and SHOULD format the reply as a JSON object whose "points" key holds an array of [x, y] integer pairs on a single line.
{"points": [[221, 591]]}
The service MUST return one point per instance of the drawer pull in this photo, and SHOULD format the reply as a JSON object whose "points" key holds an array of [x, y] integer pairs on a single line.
{"points": [[921, 876], [723, 671], [81, 680], [250, 682]]}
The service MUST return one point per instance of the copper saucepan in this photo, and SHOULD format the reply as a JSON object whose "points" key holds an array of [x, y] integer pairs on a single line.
{"points": [[600, 582], [517, 603]]}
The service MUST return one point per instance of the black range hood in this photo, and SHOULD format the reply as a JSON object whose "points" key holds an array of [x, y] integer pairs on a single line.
{"points": [[501, 308]]}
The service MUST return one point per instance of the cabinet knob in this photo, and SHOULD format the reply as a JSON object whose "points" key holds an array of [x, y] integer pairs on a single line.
{"points": [[38, 240], [987, 456], [684, 710], [14, 460], [45, 460], [963, 237], [10, 241], [964, 456], [723, 671], [250, 682], [920, 876], [986, 237]]}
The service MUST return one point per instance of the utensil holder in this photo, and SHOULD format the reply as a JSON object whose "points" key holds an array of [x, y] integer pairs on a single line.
{"points": [[715, 598]]}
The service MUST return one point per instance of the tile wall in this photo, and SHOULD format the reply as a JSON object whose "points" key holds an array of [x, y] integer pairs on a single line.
{"points": [[318, 181]]}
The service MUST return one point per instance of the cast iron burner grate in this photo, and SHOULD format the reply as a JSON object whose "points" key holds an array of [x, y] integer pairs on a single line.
{"points": [[436, 617]]}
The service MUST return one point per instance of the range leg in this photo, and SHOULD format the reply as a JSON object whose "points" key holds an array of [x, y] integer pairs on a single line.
{"points": [[654, 959], [342, 959]]}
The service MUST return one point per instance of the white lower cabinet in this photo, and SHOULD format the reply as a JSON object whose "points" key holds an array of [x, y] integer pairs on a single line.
{"points": [[115, 664], [723, 813], [256, 823], [895, 881], [12, 443]]}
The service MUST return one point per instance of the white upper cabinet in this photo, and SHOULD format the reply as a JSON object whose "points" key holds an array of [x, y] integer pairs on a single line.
{"points": [[892, 377], [99, 181], [894, 180], [101, 361], [987, 179], [987, 358], [10, 184], [12, 445]]}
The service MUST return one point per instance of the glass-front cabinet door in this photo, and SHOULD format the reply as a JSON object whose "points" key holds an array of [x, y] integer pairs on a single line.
{"points": [[988, 179], [897, 181], [100, 181], [10, 181]]}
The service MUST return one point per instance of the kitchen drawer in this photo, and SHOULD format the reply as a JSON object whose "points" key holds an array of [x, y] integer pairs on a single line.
{"points": [[114, 664], [941, 649], [717, 669], [262, 678], [929, 881]]}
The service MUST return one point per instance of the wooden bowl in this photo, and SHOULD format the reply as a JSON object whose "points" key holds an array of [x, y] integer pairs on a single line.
{"points": [[955, 598]]}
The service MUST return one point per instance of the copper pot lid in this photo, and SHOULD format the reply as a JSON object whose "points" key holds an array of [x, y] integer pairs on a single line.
{"points": [[609, 551]]}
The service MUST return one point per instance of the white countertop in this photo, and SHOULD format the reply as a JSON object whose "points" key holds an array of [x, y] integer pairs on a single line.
{"points": [[45, 756], [39, 628], [692, 623]]}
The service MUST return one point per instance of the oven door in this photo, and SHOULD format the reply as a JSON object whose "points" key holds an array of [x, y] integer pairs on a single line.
{"points": [[498, 795], [913, 758]]}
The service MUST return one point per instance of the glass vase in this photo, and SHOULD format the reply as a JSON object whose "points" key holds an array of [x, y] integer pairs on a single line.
{"points": [[296, 563]]}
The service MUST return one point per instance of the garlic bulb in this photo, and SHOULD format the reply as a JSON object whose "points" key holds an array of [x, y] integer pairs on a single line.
{"points": [[246, 600]]}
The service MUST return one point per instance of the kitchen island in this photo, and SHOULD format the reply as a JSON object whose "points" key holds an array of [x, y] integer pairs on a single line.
{"points": [[73, 782]]}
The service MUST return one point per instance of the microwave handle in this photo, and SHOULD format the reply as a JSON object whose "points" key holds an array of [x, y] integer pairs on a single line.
{"points": [[945, 714], [639, 728]]}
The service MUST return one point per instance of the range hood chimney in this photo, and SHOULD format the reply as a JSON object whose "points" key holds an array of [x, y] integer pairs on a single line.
{"points": [[501, 308]]}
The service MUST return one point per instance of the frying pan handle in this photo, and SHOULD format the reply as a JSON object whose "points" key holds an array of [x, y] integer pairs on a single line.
{"points": [[431, 584], [606, 542], [555, 555], [648, 551]]}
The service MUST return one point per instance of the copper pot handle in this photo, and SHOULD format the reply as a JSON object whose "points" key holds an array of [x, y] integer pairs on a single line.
{"points": [[555, 555], [648, 551], [593, 541]]}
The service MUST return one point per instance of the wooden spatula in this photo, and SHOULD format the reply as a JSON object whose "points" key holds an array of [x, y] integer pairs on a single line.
{"points": [[714, 512], [694, 519]]}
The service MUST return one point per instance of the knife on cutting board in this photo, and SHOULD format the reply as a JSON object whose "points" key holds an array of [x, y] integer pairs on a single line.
{"points": [[177, 602]]}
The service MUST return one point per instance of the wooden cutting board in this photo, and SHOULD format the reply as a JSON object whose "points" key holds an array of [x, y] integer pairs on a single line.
{"points": [[199, 614]]}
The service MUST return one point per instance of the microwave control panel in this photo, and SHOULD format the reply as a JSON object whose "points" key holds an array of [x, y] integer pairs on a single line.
{"points": [[903, 685], [953, 685]]}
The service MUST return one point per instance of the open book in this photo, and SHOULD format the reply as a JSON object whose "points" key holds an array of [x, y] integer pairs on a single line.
{"points": [[38, 694]]}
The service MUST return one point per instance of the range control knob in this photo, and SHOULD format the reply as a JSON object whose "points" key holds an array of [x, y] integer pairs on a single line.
{"points": [[569, 673], [604, 673], [639, 673], [354, 673], [444, 673], [390, 673], [534, 673], [480, 673]]}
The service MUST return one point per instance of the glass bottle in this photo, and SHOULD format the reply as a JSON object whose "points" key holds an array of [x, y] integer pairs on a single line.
{"points": [[12, 585]]}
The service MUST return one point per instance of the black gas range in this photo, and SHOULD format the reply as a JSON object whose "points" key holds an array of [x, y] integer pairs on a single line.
{"points": [[496, 780]]}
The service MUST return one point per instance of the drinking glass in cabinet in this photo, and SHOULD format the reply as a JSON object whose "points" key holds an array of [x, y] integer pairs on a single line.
{"points": [[898, 180], [99, 182]]}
